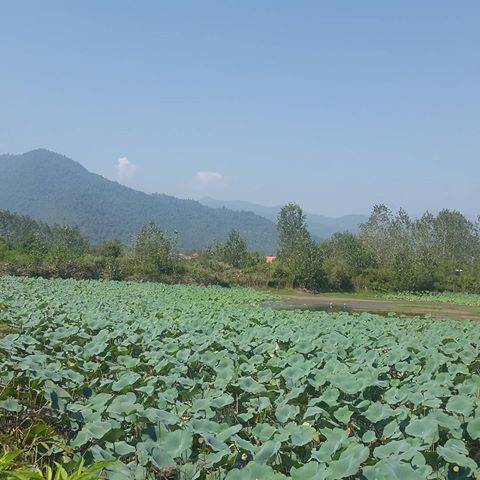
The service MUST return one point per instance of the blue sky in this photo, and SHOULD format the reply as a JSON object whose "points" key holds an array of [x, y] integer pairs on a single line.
{"points": [[336, 105]]}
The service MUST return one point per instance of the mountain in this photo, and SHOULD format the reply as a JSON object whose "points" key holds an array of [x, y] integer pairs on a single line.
{"points": [[52, 188], [319, 225]]}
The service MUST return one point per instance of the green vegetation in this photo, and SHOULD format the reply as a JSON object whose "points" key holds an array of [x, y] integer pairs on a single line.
{"points": [[9, 469], [470, 299], [187, 382], [392, 253]]}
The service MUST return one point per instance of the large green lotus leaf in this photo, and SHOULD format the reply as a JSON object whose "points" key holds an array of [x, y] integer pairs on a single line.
{"points": [[335, 438], [460, 404], [349, 462], [201, 426], [292, 375], [11, 405], [122, 448], [301, 434], [377, 412], [347, 383], [216, 444], [155, 415], [369, 436], [392, 430], [177, 442], [450, 422], [317, 380], [82, 438], [120, 471], [90, 431], [98, 429], [285, 412], [293, 394], [128, 361], [189, 471], [305, 346], [404, 449], [473, 428], [424, 428], [310, 471], [123, 404], [264, 376], [183, 355], [343, 414], [330, 396], [455, 452], [244, 444], [315, 412], [226, 433], [99, 401], [95, 347], [248, 384], [211, 459], [266, 451], [245, 417], [263, 431], [254, 471], [392, 469], [162, 459], [126, 380], [260, 403], [221, 401]]}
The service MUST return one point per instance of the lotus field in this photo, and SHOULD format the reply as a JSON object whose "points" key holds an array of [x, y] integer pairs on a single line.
{"points": [[185, 382]]}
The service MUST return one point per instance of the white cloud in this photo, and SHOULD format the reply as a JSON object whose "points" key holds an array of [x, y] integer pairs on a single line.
{"points": [[204, 178], [125, 169]]}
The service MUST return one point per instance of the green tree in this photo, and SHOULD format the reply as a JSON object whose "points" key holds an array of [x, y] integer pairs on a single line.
{"points": [[155, 252], [235, 251], [70, 240], [298, 254], [292, 230], [110, 249], [346, 258]]}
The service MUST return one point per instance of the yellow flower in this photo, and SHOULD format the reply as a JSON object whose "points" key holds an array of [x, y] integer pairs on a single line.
{"points": [[456, 468]]}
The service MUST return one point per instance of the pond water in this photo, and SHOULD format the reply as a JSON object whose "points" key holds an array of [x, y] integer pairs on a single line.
{"points": [[320, 306], [377, 307]]}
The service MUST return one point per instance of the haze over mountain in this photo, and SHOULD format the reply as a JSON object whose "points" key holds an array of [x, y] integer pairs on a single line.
{"points": [[319, 225], [50, 187]]}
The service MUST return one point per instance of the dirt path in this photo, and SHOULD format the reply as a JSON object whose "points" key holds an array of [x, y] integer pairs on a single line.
{"points": [[353, 304]]}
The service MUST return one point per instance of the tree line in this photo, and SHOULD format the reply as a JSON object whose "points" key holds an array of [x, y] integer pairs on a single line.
{"points": [[392, 252]]}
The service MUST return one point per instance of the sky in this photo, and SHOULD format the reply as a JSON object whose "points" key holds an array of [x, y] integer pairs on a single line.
{"points": [[336, 105]]}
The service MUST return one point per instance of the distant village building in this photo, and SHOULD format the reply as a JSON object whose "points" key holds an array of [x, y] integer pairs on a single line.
{"points": [[270, 259]]}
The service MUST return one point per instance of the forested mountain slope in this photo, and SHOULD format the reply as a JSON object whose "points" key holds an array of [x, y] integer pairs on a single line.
{"points": [[55, 189]]}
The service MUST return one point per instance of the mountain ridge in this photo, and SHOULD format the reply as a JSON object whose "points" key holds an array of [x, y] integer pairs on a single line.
{"points": [[53, 188]]}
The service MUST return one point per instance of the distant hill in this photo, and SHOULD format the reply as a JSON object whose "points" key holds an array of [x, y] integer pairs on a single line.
{"points": [[55, 189], [319, 225]]}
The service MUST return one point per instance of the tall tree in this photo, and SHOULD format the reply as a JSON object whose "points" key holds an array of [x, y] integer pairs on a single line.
{"points": [[155, 251], [235, 251], [297, 252], [292, 230]]}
